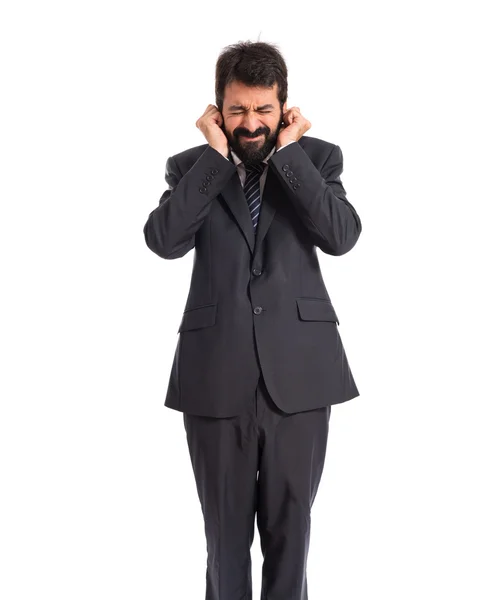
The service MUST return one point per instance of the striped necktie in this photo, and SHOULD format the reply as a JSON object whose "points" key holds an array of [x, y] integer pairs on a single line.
{"points": [[252, 191]]}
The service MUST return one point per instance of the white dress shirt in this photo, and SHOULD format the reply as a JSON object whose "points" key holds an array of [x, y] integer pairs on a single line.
{"points": [[242, 170]]}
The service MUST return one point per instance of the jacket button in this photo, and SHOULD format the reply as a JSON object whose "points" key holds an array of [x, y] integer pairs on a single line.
{"points": [[214, 171], [203, 190], [285, 168], [256, 272], [298, 185], [257, 310]]}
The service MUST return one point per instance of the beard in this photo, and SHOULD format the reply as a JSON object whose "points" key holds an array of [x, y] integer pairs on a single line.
{"points": [[252, 152]]}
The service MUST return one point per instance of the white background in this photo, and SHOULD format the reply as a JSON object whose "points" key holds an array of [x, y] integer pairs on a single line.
{"points": [[98, 497]]}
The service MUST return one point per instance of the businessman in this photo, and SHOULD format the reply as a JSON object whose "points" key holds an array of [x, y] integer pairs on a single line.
{"points": [[259, 359]]}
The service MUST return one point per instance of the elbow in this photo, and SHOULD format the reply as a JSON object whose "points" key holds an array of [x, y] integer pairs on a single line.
{"points": [[163, 245], [155, 240], [339, 245]]}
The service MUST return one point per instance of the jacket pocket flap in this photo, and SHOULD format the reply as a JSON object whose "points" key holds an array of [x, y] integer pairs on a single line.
{"points": [[316, 309], [198, 317]]}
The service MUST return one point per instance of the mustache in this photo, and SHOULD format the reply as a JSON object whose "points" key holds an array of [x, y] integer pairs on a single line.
{"points": [[240, 132]]}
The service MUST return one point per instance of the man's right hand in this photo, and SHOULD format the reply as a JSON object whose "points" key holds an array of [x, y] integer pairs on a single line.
{"points": [[210, 125]]}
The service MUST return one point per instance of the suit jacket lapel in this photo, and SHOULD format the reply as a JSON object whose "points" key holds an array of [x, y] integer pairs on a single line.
{"points": [[235, 199], [267, 210]]}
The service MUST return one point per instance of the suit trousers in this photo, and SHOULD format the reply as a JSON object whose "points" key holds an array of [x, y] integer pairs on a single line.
{"points": [[263, 463]]}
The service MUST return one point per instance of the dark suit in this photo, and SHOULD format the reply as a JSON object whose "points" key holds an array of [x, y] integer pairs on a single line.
{"points": [[256, 303], [259, 359]]}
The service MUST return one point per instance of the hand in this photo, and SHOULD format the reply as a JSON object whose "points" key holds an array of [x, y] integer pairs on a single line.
{"points": [[210, 125], [295, 126]]}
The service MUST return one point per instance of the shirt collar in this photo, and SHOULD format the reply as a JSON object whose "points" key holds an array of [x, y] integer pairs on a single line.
{"points": [[237, 160]]}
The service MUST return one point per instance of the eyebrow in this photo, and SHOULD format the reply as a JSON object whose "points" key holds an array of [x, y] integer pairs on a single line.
{"points": [[240, 107]]}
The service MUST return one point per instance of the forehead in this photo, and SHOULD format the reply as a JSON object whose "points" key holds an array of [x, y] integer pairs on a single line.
{"points": [[237, 93]]}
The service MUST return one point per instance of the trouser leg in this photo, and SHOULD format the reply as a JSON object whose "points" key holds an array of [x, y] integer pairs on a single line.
{"points": [[224, 456], [292, 455]]}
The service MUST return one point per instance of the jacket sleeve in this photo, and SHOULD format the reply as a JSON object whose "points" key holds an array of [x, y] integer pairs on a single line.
{"points": [[319, 198], [171, 227]]}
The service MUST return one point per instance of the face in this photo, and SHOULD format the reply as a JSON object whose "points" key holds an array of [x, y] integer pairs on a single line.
{"points": [[252, 120]]}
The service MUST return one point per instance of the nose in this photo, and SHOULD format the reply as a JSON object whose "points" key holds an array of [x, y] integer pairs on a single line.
{"points": [[250, 124]]}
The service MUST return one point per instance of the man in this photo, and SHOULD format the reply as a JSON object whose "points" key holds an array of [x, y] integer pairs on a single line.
{"points": [[259, 359]]}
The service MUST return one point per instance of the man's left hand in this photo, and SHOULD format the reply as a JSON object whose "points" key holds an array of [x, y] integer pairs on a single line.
{"points": [[295, 125]]}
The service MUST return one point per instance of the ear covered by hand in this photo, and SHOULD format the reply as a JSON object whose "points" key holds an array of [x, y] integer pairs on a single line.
{"points": [[295, 126]]}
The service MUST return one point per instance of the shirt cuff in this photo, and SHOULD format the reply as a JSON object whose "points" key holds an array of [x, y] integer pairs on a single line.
{"points": [[281, 147]]}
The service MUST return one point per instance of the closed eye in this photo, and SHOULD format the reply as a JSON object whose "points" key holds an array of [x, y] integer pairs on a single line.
{"points": [[264, 112]]}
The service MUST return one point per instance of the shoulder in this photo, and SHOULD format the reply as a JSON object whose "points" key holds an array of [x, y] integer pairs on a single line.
{"points": [[316, 147], [190, 153], [185, 159], [309, 142]]}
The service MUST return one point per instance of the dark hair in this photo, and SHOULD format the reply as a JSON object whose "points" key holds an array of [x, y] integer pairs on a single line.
{"points": [[253, 64]]}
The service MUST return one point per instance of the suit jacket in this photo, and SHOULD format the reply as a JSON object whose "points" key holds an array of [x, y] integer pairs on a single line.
{"points": [[256, 301]]}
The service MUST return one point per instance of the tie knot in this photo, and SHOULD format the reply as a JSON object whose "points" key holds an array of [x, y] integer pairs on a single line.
{"points": [[255, 168]]}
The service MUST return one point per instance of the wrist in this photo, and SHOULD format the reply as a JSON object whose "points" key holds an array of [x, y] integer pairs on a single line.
{"points": [[222, 151]]}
